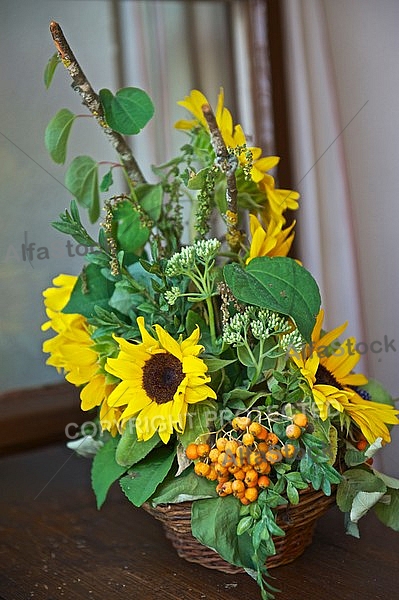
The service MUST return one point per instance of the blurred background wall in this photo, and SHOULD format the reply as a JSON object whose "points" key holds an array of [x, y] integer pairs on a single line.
{"points": [[339, 75]]}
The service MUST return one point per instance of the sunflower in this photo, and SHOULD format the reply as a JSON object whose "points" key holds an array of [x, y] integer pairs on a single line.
{"points": [[159, 379], [279, 200], [274, 241], [71, 351], [329, 373]]}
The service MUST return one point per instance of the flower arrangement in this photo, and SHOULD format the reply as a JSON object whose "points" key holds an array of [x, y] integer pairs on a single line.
{"points": [[212, 379]]}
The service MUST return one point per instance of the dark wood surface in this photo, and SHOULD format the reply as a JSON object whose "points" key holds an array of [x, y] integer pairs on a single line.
{"points": [[55, 544], [37, 416]]}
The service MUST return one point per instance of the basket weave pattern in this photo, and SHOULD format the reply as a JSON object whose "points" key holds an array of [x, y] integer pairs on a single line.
{"points": [[297, 521]]}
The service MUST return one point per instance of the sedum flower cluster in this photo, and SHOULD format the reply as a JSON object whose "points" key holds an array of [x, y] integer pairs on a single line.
{"points": [[171, 343]]}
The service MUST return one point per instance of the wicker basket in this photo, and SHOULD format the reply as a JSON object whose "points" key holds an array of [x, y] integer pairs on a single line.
{"points": [[297, 521]]}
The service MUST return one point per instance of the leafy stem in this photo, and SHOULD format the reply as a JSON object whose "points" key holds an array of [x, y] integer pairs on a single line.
{"points": [[92, 101]]}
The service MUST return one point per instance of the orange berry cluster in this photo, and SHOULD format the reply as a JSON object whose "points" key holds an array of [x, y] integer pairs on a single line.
{"points": [[241, 462]]}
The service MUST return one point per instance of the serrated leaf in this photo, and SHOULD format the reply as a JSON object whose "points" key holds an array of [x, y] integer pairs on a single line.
{"points": [[389, 513], [354, 457], [186, 487], [362, 503], [57, 134], [354, 481], [279, 284], [390, 482], [214, 523], [128, 111], [129, 450], [145, 476], [105, 470], [50, 68], [81, 179]]}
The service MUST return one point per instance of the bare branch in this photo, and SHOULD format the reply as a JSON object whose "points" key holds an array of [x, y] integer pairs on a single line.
{"points": [[91, 100]]}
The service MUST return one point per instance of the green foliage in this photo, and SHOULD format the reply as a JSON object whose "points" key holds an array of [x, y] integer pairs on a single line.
{"points": [[91, 290], [130, 450], [214, 523], [200, 418], [105, 470], [81, 179], [57, 134], [128, 111], [187, 487], [388, 512], [49, 71], [143, 479], [279, 284], [71, 224]]}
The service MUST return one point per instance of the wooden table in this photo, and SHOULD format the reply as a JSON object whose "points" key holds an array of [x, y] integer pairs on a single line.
{"points": [[54, 544]]}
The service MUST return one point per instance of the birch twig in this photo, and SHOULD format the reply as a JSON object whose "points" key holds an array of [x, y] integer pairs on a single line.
{"points": [[91, 100], [228, 164]]}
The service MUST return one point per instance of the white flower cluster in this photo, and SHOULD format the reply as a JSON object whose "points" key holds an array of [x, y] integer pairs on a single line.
{"points": [[292, 341], [172, 295], [263, 323], [235, 330], [181, 263], [267, 323]]}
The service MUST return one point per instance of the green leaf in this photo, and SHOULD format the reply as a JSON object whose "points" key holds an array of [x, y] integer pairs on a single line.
{"points": [[143, 479], [377, 392], [216, 364], [245, 524], [198, 180], [70, 224], [128, 111], [214, 523], [389, 513], [81, 179], [355, 481], [129, 450], [106, 181], [130, 233], [187, 487], [279, 284], [150, 196], [354, 457], [50, 68], [390, 482], [91, 290], [105, 470], [200, 417], [362, 503], [57, 134]]}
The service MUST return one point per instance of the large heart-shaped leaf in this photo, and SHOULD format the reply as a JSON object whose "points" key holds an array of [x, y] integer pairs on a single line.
{"points": [[128, 111], [279, 284], [57, 134]]}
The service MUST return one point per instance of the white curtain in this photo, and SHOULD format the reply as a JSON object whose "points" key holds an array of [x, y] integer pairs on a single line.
{"points": [[343, 84], [325, 229]]}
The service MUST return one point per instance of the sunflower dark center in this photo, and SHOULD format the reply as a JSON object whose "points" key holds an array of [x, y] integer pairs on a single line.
{"points": [[162, 375], [323, 376]]}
